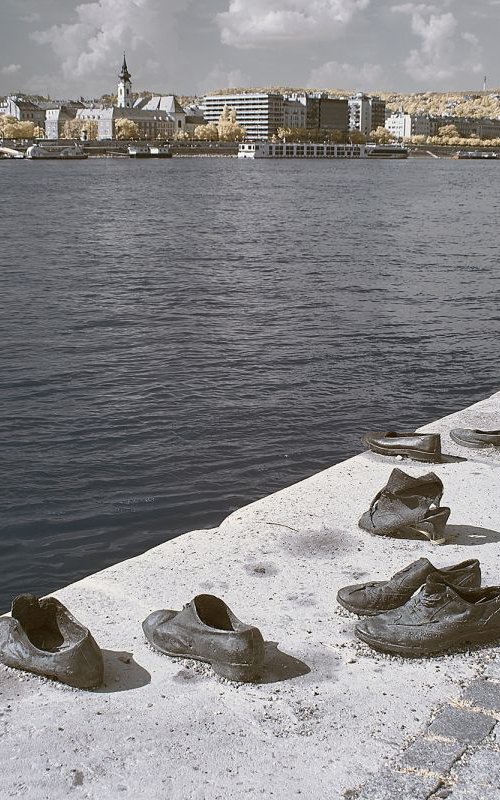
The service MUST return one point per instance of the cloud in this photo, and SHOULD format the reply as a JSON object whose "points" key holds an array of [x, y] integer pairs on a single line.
{"points": [[10, 69], [261, 23], [444, 52], [99, 33], [334, 75], [34, 16]]}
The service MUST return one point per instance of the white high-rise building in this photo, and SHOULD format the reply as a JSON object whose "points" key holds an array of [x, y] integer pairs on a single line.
{"points": [[366, 113], [404, 125], [261, 114]]}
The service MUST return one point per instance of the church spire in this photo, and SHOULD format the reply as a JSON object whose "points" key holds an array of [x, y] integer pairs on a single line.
{"points": [[124, 74], [125, 86]]}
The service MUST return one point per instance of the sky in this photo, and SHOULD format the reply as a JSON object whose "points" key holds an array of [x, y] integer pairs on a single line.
{"points": [[69, 49]]}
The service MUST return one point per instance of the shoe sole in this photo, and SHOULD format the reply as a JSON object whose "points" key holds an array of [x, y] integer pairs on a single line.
{"points": [[481, 637], [401, 533], [416, 455], [471, 445], [366, 613], [241, 673]]}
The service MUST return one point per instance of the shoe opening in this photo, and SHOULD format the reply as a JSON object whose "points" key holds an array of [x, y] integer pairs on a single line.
{"points": [[39, 621], [213, 612]]}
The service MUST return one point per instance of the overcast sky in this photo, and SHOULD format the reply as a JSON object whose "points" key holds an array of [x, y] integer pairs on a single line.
{"points": [[68, 48]]}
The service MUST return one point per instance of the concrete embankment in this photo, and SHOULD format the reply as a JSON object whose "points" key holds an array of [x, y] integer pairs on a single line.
{"points": [[331, 718]]}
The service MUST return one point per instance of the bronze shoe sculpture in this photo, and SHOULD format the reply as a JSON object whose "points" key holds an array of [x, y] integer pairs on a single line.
{"points": [[207, 630], [440, 617], [404, 506], [474, 438], [375, 597], [420, 446], [43, 637]]}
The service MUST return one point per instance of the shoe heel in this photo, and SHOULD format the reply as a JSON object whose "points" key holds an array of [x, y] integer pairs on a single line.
{"points": [[433, 526], [242, 673]]}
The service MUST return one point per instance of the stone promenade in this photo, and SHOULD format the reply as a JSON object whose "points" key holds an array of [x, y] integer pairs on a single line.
{"points": [[331, 718]]}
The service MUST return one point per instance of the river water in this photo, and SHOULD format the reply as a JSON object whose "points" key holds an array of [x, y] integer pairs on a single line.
{"points": [[181, 337]]}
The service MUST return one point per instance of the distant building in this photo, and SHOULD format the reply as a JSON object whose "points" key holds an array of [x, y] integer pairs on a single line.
{"points": [[471, 126], [327, 113], [295, 111], [56, 118], [151, 125], [488, 128], [166, 103], [366, 113], [378, 113], [402, 125], [192, 122], [23, 110], [260, 113], [316, 112]]}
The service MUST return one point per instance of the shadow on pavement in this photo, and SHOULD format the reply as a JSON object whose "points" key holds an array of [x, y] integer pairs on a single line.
{"points": [[446, 459], [280, 666], [471, 535], [122, 673]]}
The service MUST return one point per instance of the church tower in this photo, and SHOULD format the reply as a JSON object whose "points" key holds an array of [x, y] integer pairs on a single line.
{"points": [[124, 87]]}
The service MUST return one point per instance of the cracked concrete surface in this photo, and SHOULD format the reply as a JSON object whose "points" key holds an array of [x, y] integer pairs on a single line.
{"points": [[330, 718]]}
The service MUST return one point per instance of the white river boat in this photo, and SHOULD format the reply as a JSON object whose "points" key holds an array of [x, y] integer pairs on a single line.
{"points": [[149, 151]]}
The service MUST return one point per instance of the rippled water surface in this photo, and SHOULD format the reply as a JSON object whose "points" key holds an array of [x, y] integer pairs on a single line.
{"points": [[181, 337]]}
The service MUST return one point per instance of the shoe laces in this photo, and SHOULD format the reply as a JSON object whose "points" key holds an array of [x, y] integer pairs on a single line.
{"points": [[430, 598]]}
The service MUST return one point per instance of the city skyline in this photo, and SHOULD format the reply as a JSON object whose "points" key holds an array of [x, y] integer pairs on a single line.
{"points": [[69, 49]]}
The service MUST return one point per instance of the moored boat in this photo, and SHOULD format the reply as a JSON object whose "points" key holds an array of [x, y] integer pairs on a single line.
{"points": [[480, 155], [385, 151], [70, 153], [149, 151]]}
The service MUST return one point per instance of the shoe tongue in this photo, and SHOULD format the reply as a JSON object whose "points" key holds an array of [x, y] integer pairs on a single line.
{"points": [[436, 584]]}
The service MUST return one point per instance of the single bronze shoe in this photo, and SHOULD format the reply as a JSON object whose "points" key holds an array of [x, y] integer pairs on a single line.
{"points": [[474, 438], [42, 637], [420, 446], [440, 617], [375, 597], [404, 506], [207, 630]]}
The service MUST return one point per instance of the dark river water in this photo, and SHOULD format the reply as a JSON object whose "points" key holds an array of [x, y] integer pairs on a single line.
{"points": [[179, 338]]}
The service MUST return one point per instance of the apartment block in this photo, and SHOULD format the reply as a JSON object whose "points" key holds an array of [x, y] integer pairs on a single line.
{"points": [[328, 113], [261, 114], [366, 113], [404, 125]]}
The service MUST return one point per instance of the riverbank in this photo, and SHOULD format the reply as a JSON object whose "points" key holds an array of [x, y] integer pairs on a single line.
{"points": [[331, 718], [226, 149]]}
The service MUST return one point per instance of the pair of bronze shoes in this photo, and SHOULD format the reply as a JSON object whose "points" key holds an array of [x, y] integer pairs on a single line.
{"points": [[427, 446], [43, 637], [451, 609]]}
